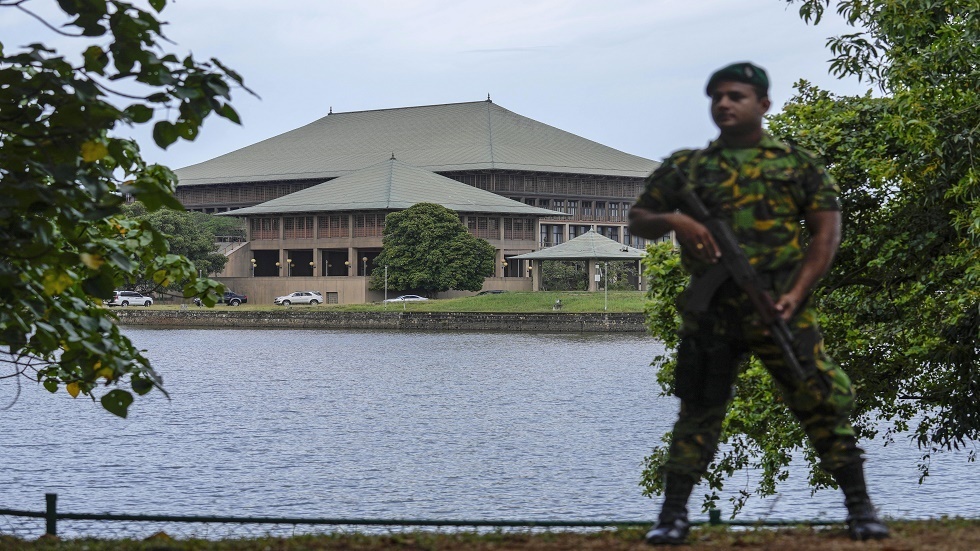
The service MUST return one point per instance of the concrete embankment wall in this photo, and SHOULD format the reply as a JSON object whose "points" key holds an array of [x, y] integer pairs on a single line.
{"points": [[295, 318]]}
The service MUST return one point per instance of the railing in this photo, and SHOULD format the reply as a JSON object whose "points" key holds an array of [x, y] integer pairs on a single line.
{"points": [[250, 526]]}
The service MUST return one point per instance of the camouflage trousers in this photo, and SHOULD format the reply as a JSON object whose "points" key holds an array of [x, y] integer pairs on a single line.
{"points": [[713, 345]]}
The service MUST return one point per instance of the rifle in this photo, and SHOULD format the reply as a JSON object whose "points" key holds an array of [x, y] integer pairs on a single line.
{"points": [[734, 264]]}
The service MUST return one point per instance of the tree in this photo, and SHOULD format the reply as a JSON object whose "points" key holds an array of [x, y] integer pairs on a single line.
{"points": [[564, 275], [189, 234], [64, 242], [902, 303], [428, 250]]}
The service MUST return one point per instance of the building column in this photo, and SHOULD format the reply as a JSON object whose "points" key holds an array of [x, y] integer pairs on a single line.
{"points": [[591, 266]]}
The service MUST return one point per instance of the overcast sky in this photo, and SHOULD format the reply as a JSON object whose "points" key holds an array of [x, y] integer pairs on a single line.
{"points": [[626, 73]]}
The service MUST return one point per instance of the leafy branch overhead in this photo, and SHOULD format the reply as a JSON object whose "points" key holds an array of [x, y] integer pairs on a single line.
{"points": [[64, 241]]}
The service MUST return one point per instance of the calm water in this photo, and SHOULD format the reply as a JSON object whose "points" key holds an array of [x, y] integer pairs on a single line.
{"points": [[357, 424]]}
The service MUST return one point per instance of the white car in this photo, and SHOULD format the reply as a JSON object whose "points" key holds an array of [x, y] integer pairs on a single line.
{"points": [[126, 298], [406, 298], [300, 297]]}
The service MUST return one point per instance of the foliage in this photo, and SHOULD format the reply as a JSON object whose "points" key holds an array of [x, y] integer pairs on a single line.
{"points": [[428, 250], [220, 226], [573, 275], [564, 275], [64, 243], [622, 275], [188, 234], [901, 307]]}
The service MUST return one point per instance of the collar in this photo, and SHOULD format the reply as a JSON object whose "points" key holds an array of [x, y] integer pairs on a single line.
{"points": [[767, 142]]}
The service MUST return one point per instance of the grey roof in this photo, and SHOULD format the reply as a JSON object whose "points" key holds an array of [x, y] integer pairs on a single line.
{"points": [[588, 245], [451, 137], [392, 185]]}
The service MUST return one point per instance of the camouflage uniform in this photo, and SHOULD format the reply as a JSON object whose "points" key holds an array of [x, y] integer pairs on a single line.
{"points": [[762, 193]]}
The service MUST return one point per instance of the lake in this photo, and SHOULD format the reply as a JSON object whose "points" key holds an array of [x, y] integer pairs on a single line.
{"points": [[387, 424]]}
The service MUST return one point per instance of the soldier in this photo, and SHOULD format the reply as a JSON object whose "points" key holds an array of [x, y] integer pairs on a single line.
{"points": [[761, 188]]}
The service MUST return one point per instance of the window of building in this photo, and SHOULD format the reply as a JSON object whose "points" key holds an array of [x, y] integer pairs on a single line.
{"points": [[264, 228], [369, 225], [572, 208], [333, 225], [297, 227], [600, 210], [519, 228], [614, 212], [557, 234]]}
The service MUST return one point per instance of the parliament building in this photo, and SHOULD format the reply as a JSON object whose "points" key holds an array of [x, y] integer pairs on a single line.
{"points": [[314, 198]]}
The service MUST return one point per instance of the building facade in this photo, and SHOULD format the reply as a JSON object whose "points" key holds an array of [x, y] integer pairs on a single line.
{"points": [[586, 184]]}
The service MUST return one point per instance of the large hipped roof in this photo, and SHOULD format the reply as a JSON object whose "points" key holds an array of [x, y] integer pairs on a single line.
{"points": [[590, 245], [392, 185], [451, 137]]}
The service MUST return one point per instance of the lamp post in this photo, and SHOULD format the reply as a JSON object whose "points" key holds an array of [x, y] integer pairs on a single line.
{"points": [[347, 265], [253, 267], [279, 268], [289, 267], [364, 260], [503, 268], [312, 268]]}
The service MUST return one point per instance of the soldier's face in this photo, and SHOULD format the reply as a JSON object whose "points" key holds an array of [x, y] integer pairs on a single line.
{"points": [[736, 108]]}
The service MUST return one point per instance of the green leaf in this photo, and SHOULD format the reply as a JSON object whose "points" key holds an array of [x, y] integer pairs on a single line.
{"points": [[117, 402], [101, 285], [165, 134], [139, 113], [141, 385], [229, 113]]}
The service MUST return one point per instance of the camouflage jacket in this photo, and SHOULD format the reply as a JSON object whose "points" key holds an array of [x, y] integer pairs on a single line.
{"points": [[762, 193]]}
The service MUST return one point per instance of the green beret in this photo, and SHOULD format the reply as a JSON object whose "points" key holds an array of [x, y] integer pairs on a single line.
{"points": [[739, 72]]}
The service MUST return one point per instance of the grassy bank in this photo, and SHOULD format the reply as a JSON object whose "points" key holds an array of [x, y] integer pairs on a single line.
{"points": [[511, 302], [946, 535]]}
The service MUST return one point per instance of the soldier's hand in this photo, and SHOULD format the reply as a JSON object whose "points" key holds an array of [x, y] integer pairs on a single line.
{"points": [[696, 238], [787, 305]]}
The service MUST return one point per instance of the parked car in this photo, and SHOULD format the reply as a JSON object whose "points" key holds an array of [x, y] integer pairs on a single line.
{"points": [[125, 298], [300, 297], [233, 299], [406, 298]]}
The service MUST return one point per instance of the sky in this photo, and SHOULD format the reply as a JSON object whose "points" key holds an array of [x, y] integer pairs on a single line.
{"points": [[629, 74]]}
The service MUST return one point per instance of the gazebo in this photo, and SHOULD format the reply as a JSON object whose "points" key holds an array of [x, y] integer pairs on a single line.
{"points": [[591, 247]]}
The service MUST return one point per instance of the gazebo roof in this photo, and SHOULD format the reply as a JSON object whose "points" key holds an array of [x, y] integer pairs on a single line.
{"points": [[392, 185], [477, 135], [589, 245]]}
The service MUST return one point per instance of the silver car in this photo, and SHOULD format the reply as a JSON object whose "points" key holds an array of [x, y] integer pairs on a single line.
{"points": [[300, 297], [126, 298], [406, 298]]}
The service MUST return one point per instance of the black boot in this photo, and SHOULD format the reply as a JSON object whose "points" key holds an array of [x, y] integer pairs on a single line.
{"points": [[672, 527], [862, 520]]}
